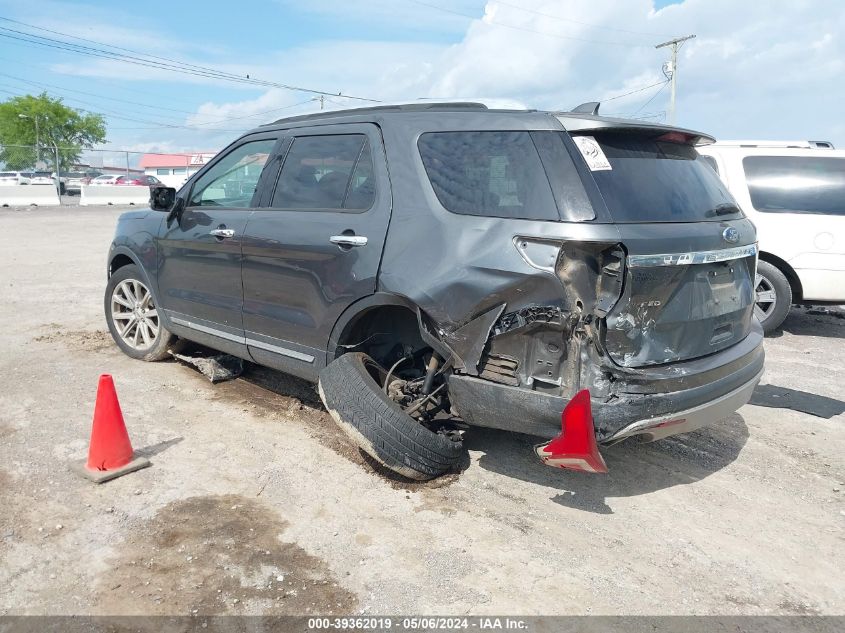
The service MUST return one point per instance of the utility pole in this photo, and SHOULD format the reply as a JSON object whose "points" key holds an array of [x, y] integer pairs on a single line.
{"points": [[322, 100], [37, 137], [673, 77]]}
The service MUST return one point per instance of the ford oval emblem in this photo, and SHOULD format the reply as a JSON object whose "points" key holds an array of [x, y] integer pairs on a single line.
{"points": [[731, 235]]}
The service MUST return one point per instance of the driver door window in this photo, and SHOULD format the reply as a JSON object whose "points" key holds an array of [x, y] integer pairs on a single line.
{"points": [[232, 181]]}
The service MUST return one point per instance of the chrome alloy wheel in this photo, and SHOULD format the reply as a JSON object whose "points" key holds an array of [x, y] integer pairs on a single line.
{"points": [[134, 315], [765, 297]]}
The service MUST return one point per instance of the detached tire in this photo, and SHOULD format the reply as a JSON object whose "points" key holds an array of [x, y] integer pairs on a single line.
{"points": [[378, 425], [773, 296]]}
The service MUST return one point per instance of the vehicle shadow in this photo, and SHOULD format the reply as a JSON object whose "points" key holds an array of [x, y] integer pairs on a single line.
{"points": [[803, 401], [634, 468], [824, 321]]}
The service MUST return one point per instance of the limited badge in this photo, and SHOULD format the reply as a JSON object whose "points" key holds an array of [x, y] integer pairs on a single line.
{"points": [[592, 153]]}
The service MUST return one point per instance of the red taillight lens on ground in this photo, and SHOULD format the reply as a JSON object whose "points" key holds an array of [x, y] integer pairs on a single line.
{"points": [[576, 447]]}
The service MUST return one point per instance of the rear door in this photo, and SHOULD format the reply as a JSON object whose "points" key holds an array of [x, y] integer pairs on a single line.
{"points": [[199, 277], [798, 200], [691, 255], [314, 245]]}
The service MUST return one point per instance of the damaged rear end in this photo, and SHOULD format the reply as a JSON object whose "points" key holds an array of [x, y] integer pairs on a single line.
{"points": [[639, 301]]}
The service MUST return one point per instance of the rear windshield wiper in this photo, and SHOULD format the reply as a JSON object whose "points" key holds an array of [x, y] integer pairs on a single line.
{"points": [[724, 209]]}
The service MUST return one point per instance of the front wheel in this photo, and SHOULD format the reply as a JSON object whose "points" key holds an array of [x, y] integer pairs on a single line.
{"points": [[133, 318], [773, 296]]}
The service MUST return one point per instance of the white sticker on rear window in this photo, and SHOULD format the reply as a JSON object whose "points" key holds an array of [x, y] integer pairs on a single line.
{"points": [[592, 153]]}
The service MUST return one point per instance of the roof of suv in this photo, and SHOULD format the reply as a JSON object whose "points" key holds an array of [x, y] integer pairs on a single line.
{"points": [[572, 121]]}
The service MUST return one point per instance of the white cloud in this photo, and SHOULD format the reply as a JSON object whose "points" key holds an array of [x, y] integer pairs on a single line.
{"points": [[756, 70]]}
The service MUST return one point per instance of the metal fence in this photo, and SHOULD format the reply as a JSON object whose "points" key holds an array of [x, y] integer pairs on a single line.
{"points": [[173, 169]]}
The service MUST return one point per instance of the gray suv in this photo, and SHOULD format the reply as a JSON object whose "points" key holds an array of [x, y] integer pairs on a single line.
{"points": [[574, 277]]}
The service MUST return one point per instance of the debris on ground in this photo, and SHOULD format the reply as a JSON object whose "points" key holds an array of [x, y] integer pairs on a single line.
{"points": [[217, 368]]}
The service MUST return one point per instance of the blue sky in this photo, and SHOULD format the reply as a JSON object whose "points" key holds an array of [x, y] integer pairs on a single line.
{"points": [[752, 72]]}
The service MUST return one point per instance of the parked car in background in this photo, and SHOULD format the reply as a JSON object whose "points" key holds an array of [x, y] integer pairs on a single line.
{"points": [[142, 180], [13, 178], [442, 265], [105, 179], [41, 178], [794, 192], [75, 179]]}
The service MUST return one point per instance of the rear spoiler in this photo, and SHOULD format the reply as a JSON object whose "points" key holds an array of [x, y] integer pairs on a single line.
{"points": [[583, 122]]}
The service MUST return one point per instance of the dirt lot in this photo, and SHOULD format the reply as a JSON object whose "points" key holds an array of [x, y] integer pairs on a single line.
{"points": [[256, 504]]}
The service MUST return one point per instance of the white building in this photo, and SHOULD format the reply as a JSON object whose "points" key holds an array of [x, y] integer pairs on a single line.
{"points": [[174, 169]]}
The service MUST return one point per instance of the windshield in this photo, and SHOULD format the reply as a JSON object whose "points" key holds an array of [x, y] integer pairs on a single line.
{"points": [[646, 179]]}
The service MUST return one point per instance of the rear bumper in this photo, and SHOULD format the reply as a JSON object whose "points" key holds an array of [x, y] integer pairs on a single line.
{"points": [[688, 420], [651, 402]]}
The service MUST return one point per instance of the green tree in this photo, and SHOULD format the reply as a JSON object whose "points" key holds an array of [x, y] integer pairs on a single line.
{"points": [[56, 125]]}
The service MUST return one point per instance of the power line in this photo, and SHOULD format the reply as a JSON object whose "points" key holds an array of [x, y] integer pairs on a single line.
{"points": [[91, 94], [169, 96], [523, 28], [110, 114], [151, 61], [190, 112], [659, 83], [587, 24], [653, 97]]}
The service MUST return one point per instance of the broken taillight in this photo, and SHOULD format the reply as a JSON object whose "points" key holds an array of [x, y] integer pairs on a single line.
{"points": [[575, 448]]}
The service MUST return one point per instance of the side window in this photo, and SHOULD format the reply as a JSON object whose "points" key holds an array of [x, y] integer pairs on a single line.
{"points": [[796, 184], [333, 172], [497, 174], [231, 182], [710, 161]]}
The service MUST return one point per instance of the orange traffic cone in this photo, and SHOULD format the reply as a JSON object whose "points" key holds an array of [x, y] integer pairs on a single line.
{"points": [[110, 453]]}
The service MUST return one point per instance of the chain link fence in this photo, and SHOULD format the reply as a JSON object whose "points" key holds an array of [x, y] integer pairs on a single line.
{"points": [[67, 163]]}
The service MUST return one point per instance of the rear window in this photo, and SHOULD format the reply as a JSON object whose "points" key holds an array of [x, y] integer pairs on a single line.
{"points": [[796, 184], [8, 174], [496, 174], [650, 180]]}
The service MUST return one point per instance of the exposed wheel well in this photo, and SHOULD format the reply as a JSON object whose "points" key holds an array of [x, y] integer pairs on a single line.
{"points": [[119, 261], [386, 333], [789, 273]]}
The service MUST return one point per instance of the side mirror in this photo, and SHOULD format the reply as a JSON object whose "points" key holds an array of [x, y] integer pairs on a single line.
{"points": [[162, 198]]}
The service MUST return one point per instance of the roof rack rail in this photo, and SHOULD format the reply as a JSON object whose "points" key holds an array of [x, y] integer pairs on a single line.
{"points": [[401, 107]]}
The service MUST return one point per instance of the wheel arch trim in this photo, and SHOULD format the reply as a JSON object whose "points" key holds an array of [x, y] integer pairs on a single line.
{"points": [[375, 301], [123, 251]]}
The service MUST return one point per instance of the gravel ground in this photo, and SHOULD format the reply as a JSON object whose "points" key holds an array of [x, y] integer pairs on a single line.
{"points": [[255, 503]]}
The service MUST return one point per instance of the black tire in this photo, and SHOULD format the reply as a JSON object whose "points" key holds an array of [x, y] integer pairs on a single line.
{"points": [[160, 344], [379, 426], [773, 282]]}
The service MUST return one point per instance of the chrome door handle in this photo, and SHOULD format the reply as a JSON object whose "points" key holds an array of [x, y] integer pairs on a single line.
{"points": [[222, 233], [348, 240]]}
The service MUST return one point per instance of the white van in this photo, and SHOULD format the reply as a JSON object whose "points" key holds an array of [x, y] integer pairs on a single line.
{"points": [[794, 192]]}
